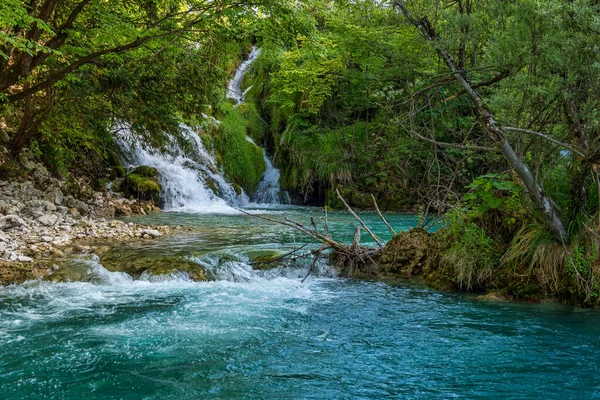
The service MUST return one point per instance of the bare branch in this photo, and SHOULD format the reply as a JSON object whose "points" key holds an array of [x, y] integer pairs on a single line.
{"points": [[546, 137], [364, 226]]}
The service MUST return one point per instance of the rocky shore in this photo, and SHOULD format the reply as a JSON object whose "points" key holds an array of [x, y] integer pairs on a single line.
{"points": [[40, 217]]}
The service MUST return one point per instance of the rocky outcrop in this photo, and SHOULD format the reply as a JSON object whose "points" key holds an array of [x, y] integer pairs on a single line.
{"points": [[408, 253], [142, 184]]}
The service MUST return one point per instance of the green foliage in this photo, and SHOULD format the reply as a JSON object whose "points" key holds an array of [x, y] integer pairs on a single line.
{"points": [[491, 191], [471, 255], [242, 161]]}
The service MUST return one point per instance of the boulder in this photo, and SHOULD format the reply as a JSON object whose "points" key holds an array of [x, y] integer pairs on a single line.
{"points": [[48, 219], [55, 195], [151, 232], [10, 221]]}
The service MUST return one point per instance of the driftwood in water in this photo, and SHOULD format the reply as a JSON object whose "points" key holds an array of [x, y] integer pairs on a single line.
{"points": [[379, 242], [348, 257], [382, 217]]}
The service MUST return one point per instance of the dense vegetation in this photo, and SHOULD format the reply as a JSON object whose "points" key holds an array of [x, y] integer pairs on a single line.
{"points": [[487, 110]]}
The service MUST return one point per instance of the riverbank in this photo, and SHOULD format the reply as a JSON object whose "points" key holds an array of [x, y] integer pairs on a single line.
{"points": [[434, 259], [40, 218]]}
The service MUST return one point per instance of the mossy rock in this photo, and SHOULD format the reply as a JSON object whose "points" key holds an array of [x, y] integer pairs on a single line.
{"points": [[212, 185], [237, 188], [117, 172], [264, 259], [145, 171], [407, 254], [142, 184], [156, 266]]}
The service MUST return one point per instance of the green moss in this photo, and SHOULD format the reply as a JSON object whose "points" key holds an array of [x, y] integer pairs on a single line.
{"points": [[242, 161], [212, 185], [237, 188], [117, 172], [207, 141], [255, 125], [141, 187], [145, 171]]}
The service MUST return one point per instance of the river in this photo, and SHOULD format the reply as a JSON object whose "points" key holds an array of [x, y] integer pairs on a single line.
{"points": [[253, 334]]}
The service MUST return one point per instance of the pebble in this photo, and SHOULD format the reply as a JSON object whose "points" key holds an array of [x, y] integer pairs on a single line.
{"points": [[33, 223]]}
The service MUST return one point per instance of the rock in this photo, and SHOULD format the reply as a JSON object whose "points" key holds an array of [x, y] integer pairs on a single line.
{"points": [[151, 232], [48, 219], [55, 196], [10, 221], [11, 210], [26, 158], [74, 212], [41, 175], [24, 259], [492, 296], [51, 207], [82, 189], [122, 209], [46, 239], [82, 249]]}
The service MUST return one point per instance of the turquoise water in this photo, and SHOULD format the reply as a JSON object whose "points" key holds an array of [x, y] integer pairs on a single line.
{"points": [[270, 336]]}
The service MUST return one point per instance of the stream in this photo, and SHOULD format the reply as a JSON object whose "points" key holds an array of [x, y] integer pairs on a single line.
{"points": [[250, 333], [267, 335]]}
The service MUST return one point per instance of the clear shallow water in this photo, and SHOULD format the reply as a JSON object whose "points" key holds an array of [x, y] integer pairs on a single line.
{"points": [[279, 338]]}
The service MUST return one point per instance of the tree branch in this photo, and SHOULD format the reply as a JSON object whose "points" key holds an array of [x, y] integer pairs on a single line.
{"points": [[502, 75], [546, 137]]}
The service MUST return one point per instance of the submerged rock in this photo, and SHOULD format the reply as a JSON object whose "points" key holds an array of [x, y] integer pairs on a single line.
{"points": [[264, 259], [493, 296], [151, 232], [136, 265], [18, 272]]}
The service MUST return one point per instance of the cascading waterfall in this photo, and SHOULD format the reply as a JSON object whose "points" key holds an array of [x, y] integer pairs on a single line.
{"points": [[190, 181], [268, 191], [234, 90]]}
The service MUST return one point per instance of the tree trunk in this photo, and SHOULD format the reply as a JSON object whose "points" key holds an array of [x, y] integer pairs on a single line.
{"points": [[493, 130]]}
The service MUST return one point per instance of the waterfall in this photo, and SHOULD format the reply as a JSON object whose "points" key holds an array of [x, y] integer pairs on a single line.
{"points": [[234, 90], [190, 181], [268, 191]]}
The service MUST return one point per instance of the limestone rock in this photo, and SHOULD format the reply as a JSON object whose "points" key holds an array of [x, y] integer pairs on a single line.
{"points": [[10, 221], [49, 219], [151, 232]]}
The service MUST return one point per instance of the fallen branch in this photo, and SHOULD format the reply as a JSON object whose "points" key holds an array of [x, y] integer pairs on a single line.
{"points": [[317, 255], [379, 242], [381, 216]]}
